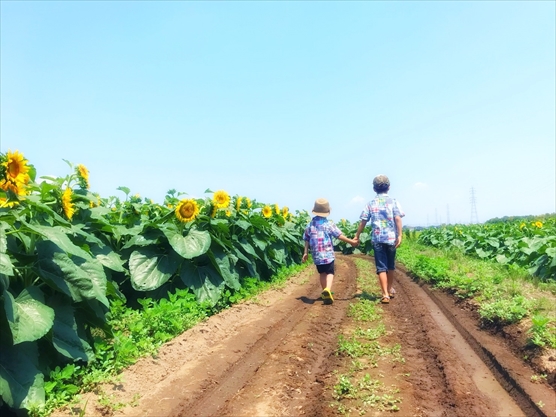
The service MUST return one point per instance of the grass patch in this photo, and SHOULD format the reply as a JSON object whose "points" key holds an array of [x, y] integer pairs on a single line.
{"points": [[503, 294], [360, 388]]}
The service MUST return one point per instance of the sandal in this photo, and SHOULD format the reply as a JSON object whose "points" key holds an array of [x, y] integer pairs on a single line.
{"points": [[392, 293], [385, 300]]}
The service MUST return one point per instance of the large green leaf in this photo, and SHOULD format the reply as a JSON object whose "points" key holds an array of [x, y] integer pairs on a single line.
{"points": [[6, 266], [76, 277], [204, 280], [226, 264], [108, 257], [247, 263], [29, 318], [65, 337], [21, 382], [150, 269], [194, 244], [58, 236]]}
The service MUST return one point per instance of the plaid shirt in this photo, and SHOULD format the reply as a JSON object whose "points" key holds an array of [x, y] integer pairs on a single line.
{"points": [[381, 212], [319, 234]]}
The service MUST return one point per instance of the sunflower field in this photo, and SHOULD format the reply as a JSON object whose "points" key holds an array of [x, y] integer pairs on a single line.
{"points": [[68, 256], [528, 243]]}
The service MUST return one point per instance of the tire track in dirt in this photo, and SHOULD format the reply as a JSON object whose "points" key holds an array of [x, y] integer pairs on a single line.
{"points": [[275, 375], [274, 356]]}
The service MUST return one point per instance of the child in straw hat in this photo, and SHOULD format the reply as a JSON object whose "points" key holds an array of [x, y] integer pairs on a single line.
{"points": [[318, 236]]}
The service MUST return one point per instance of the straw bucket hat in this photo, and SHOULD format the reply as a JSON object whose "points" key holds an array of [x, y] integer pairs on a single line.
{"points": [[321, 208]]}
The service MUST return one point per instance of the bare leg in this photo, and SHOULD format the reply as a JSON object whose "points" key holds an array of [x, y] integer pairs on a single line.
{"points": [[326, 280], [329, 279], [383, 281], [323, 280], [390, 280]]}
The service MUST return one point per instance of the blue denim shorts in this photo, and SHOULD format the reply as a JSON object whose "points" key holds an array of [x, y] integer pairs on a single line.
{"points": [[385, 256]]}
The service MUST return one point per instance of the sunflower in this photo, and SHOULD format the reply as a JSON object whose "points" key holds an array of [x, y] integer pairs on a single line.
{"points": [[538, 224], [187, 210], [4, 202], [17, 189], [267, 211], [248, 201], [17, 169], [228, 213], [221, 199], [238, 203], [67, 205], [276, 208], [83, 176], [285, 211], [14, 173]]}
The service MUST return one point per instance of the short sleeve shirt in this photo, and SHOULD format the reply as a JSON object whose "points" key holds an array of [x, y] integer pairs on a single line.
{"points": [[381, 212], [319, 234]]}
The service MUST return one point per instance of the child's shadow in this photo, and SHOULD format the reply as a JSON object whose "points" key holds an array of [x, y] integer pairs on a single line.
{"points": [[363, 296], [307, 300], [367, 296]]}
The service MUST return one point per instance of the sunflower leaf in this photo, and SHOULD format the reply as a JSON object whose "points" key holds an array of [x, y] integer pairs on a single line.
{"points": [[149, 269], [195, 243], [204, 280], [28, 317], [21, 382]]}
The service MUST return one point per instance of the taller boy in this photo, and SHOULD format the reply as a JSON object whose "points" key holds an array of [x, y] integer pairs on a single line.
{"points": [[385, 215]]}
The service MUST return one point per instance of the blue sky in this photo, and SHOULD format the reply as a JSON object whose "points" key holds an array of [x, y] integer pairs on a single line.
{"points": [[286, 102]]}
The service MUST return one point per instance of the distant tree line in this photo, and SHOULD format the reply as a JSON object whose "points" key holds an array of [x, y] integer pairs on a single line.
{"points": [[504, 219]]}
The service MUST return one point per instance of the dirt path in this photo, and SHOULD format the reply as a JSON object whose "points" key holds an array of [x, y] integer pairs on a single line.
{"points": [[274, 356]]}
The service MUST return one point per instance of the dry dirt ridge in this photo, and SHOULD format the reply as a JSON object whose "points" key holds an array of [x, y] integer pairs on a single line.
{"points": [[274, 356]]}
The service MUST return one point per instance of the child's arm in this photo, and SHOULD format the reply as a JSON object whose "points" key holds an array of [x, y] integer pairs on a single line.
{"points": [[399, 229], [362, 225], [352, 242], [305, 252]]}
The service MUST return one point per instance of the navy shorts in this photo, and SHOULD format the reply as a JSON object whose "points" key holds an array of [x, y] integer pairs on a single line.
{"points": [[326, 268], [385, 256]]}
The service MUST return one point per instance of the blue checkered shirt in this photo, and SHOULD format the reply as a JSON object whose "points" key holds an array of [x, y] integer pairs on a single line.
{"points": [[319, 234], [381, 211]]}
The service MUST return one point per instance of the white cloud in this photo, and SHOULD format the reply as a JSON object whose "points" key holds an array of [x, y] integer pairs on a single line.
{"points": [[420, 185], [357, 200]]}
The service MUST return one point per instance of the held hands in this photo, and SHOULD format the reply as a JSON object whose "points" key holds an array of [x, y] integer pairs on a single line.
{"points": [[355, 242]]}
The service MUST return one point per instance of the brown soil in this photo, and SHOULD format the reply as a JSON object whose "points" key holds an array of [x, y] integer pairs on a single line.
{"points": [[275, 356]]}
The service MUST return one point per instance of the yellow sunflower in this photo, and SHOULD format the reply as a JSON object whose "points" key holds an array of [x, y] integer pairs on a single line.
{"points": [[238, 203], [267, 211], [248, 201], [538, 224], [83, 176], [228, 213], [14, 172], [17, 169], [221, 199], [5, 203], [276, 208], [285, 211], [67, 205], [187, 210], [7, 185]]}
